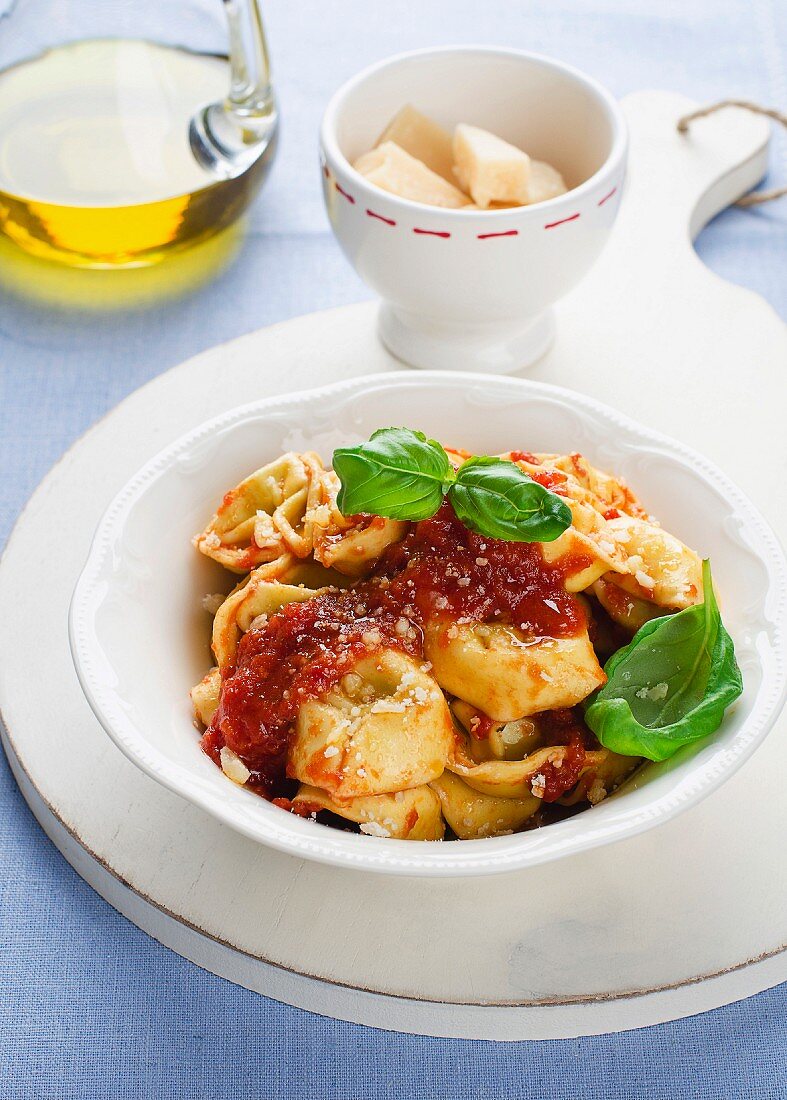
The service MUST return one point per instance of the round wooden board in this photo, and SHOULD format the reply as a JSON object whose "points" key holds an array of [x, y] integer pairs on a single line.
{"points": [[684, 918]]}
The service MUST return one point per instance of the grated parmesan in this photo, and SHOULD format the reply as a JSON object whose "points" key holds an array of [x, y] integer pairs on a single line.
{"points": [[233, 767], [388, 706], [655, 693], [538, 785]]}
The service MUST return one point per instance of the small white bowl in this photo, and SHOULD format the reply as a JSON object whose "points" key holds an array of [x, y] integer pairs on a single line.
{"points": [[140, 638], [472, 290]]}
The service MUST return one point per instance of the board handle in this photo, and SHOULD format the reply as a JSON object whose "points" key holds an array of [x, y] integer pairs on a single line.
{"points": [[683, 179], [754, 198]]}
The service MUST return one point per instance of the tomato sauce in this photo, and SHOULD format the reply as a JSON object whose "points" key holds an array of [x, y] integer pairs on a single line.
{"points": [[554, 480], [620, 602], [301, 653], [481, 726], [440, 570], [564, 727], [443, 570], [525, 456]]}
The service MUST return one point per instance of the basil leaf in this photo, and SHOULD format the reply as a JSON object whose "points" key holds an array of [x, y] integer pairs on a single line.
{"points": [[494, 497], [671, 685], [399, 473]]}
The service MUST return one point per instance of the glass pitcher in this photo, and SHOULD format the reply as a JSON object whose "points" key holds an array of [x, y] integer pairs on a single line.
{"points": [[130, 129]]}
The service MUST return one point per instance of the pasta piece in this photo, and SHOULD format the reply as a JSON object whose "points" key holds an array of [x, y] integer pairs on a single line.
{"points": [[629, 611], [511, 778], [507, 675], [354, 551], [587, 548], [307, 572], [351, 544], [611, 527], [205, 696], [405, 815], [660, 568], [250, 601], [609, 492], [608, 771], [472, 815], [385, 727], [491, 740], [269, 514], [573, 476], [457, 457]]}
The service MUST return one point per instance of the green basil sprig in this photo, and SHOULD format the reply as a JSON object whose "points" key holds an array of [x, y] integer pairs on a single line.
{"points": [[398, 473], [401, 474], [496, 498], [670, 685]]}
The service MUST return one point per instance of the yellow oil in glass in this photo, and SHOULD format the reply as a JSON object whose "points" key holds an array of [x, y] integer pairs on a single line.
{"points": [[95, 164]]}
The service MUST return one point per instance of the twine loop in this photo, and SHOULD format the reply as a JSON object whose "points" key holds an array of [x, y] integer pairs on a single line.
{"points": [[755, 198]]}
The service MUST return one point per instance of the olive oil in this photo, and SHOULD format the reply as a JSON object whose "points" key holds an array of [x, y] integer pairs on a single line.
{"points": [[96, 168]]}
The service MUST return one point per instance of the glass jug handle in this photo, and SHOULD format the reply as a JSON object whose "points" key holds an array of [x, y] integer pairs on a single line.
{"points": [[227, 137]]}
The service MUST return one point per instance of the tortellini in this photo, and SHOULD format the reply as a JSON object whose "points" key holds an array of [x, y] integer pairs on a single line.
{"points": [[612, 534], [473, 815], [603, 774], [504, 778], [490, 740], [587, 545], [385, 727], [250, 603], [205, 696], [288, 510], [267, 515], [412, 814], [352, 546], [507, 675], [661, 568], [606, 492], [630, 612]]}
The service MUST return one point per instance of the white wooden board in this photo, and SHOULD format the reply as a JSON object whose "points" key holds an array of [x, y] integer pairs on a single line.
{"points": [[684, 918]]}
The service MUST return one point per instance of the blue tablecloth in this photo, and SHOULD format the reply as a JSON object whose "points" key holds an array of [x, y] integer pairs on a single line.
{"points": [[91, 1007]]}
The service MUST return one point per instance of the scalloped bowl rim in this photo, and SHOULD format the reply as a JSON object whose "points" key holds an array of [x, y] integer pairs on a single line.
{"points": [[306, 839]]}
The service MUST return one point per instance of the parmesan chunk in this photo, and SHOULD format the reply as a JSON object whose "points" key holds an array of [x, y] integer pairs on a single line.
{"points": [[213, 601], [488, 168], [423, 139], [233, 767], [545, 182], [538, 785], [394, 170]]}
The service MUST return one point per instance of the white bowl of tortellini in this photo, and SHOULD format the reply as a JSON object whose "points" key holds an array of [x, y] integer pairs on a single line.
{"points": [[156, 628]]}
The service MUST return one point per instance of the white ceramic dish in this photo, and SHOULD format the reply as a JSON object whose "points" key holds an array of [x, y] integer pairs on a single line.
{"points": [[139, 636], [473, 290]]}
